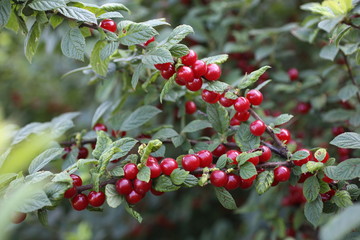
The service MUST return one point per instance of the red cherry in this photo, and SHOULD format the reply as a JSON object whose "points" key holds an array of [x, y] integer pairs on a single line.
{"points": [[100, 127], [213, 72], [281, 174], [241, 104], [226, 102], [246, 183], [96, 199], [266, 155], [284, 135], [232, 154], [303, 107], [209, 96], [233, 181], [184, 74], [189, 59], [195, 85], [109, 25], [163, 66], [234, 122], [67, 150], [327, 179], [304, 176], [70, 193], [130, 171], [326, 158], [141, 187], [83, 152], [218, 178], [293, 74], [257, 128], [155, 169], [328, 195], [133, 197], [190, 107], [124, 186], [304, 160], [219, 150], [242, 116], [168, 165], [80, 202], [199, 68], [190, 162], [77, 181], [255, 97], [156, 193], [168, 73], [337, 130], [149, 41], [18, 217], [205, 157], [254, 160]]}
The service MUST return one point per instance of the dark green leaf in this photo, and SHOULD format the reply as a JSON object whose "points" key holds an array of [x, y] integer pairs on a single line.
{"points": [[114, 7], [156, 56], [124, 145], [5, 10], [133, 213], [139, 117], [179, 50], [135, 77], [311, 188], [103, 141], [264, 181], [218, 117], [165, 133], [245, 139], [191, 181], [217, 86], [137, 33], [299, 155], [247, 80], [225, 198], [337, 115], [244, 156], [342, 199], [247, 170], [313, 211], [347, 92], [117, 171], [164, 184], [178, 176], [283, 118], [144, 174], [222, 161], [43, 217], [32, 40], [167, 87], [100, 111], [196, 125]]}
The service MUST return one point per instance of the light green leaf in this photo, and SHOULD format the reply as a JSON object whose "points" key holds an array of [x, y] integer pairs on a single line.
{"points": [[133, 213], [190, 181], [247, 80], [347, 140], [346, 170], [135, 77], [108, 50], [222, 161], [178, 34], [144, 174], [139, 117], [136, 33], [342, 199], [35, 201], [179, 50], [245, 139], [218, 59], [167, 87], [113, 198], [100, 66], [114, 7], [158, 55], [45, 5], [264, 181], [5, 11], [329, 52], [178, 176], [100, 111], [283, 118], [73, 44], [196, 125], [79, 14], [55, 21], [164, 184], [124, 145], [217, 86], [165, 133], [32, 40], [299, 155], [44, 158], [110, 15], [247, 170], [218, 117]]}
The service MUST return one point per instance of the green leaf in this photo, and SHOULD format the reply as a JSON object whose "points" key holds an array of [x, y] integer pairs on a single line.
{"points": [[222, 161], [35, 201], [283, 118], [38, 177], [156, 22], [137, 33], [196, 125], [108, 50], [329, 52], [313, 166], [5, 179], [247, 80], [337, 115], [100, 66], [167, 87], [264, 181], [244, 156], [217, 86], [124, 145], [45, 5], [320, 154], [311, 188], [346, 170], [178, 176], [225, 198], [178, 34], [100, 111], [82, 162], [144, 174], [114, 7], [103, 141], [44, 158], [347, 140], [117, 171], [247, 170], [55, 21], [342, 199], [55, 190], [190, 181], [110, 15], [299, 155], [165, 133], [245, 139], [218, 59], [43, 217], [63, 177], [139, 117], [218, 117], [347, 92], [5, 11], [133, 213], [158, 55], [317, 8], [73, 44], [113, 198], [324, 187], [313, 210], [341, 34], [32, 40], [179, 50], [79, 14], [164, 184], [135, 77], [329, 24]]}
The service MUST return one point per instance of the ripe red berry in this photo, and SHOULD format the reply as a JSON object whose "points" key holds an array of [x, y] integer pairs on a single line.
{"points": [[284, 135], [195, 85], [257, 128], [232, 154], [124, 186], [303, 161], [83, 153], [205, 157], [130, 171], [18, 217], [189, 59], [70, 193], [209, 96], [293, 74], [226, 102], [234, 121], [303, 107], [96, 199], [155, 169], [190, 107], [304, 176], [326, 158], [213, 72], [149, 41], [163, 66], [254, 160], [109, 25], [77, 181], [100, 127], [246, 183], [327, 179], [242, 116], [218, 178], [156, 193], [281, 174], [79, 202], [133, 197], [241, 104], [184, 74], [199, 68], [266, 155], [168, 73], [233, 182], [219, 150], [337, 130], [255, 97], [190, 162], [141, 187], [168, 165]]}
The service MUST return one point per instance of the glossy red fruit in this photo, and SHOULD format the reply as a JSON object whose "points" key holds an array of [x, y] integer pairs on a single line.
{"points": [[96, 199], [293, 74], [130, 171], [281, 174], [195, 85], [184, 74], [168, 73], [284, 135], [303, 107], [163, 66], [149, 41], [234, 122], [205, 157], [233, 182], [18, 217], [246, 183], [156, 193], [210, 96], [190, 162], [304, 176], [189, 59], [155, 169], [242, 116], [134, 197], [257, 127], [266, 155], [77, 181], [232, 154], [218, 178], [100, 127], [124, 186], [141, 187], [70, 193], [190, 107], [219, 150], [80, 202], [109, 25], [83, 153], [255, 97], [303, 161], [337, 130], [226, 102], [213, 72], [241, 104], [327, 179], [168, 165], [328, 195], [199, 68], [254, 160]]}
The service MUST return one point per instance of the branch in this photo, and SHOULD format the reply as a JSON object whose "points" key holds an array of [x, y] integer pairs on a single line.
{"points": [[350, 73]]}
